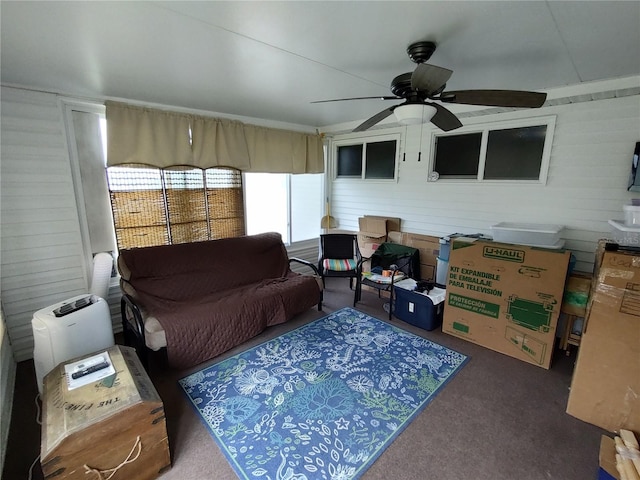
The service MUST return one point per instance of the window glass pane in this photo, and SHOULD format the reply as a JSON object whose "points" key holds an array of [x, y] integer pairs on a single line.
{"points": [[458, 155], [130, 179], [266, 197], [381, 160], [350, 161], [515, 153], [306, 206]]}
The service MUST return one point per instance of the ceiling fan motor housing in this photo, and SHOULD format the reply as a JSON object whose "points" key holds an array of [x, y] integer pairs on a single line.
{"points": [[401, 85]]}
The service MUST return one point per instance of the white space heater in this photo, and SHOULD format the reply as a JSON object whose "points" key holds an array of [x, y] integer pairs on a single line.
{"points": [[78, 326]]}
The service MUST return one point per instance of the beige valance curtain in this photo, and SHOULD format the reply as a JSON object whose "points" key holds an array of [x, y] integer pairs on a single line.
{"points": [[283, 151], [162, 139], [138, 135]]}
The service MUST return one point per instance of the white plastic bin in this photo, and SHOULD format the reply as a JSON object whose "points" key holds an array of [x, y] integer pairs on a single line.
{"points": [[535, 234], [631, 215], [625, 235]]}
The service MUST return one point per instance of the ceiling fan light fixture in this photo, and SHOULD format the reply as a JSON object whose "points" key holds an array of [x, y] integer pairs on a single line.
{"points": [[414, 113]]}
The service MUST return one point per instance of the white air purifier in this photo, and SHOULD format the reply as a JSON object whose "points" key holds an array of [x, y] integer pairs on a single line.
{"points": [[78, 326]]}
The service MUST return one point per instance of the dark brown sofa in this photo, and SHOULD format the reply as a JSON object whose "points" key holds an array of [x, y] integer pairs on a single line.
{"points": [[202, 299]]}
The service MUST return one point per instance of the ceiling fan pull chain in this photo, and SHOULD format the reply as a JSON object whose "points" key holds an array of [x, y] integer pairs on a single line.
{"points": [[404, 154], [421, 131]]}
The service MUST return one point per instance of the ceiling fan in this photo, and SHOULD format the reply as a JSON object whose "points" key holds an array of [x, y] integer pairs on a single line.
{"points": [[426, 84]]}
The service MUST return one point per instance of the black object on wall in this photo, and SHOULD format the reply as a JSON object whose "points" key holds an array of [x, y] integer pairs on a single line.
{"points": [[634, 178]]}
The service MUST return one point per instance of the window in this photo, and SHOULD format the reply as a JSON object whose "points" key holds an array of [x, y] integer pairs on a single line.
{"points": [[525, 144], [154, 206], [458, 155], [499, 152], [284, 203], [373, 159]]}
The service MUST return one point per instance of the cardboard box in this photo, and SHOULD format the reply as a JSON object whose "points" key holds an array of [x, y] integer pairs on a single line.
{"points": [[429, 248], [606, 378], [505, 297], [368, 244], [394, 237], [607, 459], [373, 232], [392, 223], [373, 226]]}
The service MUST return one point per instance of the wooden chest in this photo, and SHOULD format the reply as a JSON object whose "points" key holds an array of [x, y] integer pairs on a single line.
{"points": [[111, 424]]}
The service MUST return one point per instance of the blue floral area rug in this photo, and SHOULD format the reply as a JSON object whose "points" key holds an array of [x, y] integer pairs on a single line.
{"points": [[322, 401]]}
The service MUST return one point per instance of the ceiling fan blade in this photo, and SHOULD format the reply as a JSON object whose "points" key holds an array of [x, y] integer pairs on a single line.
{"points": [[429, 78], [358, 98], [496, 98], [444, 119], [375, 119]]}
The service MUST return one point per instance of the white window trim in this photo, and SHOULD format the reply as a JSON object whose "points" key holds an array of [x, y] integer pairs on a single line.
{"points": [[67, 106], [549, 121], [364, 139]]}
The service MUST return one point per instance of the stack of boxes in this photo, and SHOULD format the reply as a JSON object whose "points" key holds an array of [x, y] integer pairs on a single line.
{"points": [[375, 230]]}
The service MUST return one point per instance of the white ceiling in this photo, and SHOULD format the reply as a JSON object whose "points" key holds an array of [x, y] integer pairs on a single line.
{"points": [[271, 59]]}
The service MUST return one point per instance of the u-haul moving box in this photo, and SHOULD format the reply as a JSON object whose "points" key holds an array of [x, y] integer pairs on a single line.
{"points": [[505, 297]]}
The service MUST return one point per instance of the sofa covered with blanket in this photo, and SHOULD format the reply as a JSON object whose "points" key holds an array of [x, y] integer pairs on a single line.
{"points": [[201, 299]]}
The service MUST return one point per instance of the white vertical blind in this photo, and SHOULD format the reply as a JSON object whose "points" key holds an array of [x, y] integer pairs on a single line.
{"points": [[93, 179], [306, 205], [267, 204]]}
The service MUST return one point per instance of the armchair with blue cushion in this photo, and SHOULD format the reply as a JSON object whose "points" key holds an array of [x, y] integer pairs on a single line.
{"points": [[339, 256]]}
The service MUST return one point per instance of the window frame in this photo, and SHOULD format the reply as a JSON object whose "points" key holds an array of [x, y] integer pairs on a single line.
{"points": [[548, 121], [67, 107], [364, 140]]}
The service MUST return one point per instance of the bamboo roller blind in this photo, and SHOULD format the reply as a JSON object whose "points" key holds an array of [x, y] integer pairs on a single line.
{"points": [[175, 205]]}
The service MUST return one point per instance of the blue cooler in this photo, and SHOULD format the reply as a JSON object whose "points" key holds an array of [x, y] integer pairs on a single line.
{"points": [[419, 309]]}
